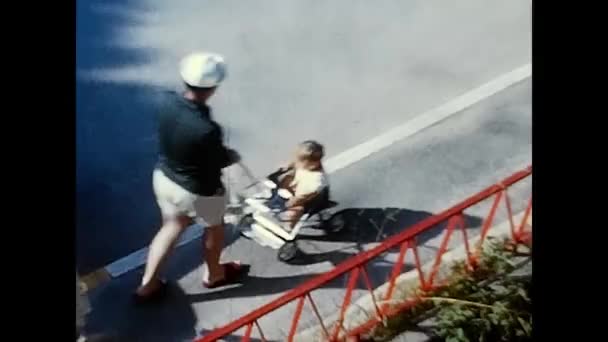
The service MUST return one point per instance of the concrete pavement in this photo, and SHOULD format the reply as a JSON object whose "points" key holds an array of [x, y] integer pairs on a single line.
{"points": [[410, 180]]}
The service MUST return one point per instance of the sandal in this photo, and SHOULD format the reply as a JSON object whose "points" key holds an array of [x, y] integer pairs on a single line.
{"points": [[155, 296], [233, 272]]}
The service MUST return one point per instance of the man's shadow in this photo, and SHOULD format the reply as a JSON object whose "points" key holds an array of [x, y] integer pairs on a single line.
{"points": [[116, 316]]}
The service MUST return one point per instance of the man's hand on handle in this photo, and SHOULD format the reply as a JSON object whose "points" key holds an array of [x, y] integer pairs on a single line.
{"points": [[233, 156]]}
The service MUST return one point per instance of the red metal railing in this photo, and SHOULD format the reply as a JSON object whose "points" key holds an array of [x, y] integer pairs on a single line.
{"points": [[355, 268]]}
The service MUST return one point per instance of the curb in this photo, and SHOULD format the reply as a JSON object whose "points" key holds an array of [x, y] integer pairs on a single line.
{"points": [[94, 279], [361, 310], [138, 258], [132, 261]]}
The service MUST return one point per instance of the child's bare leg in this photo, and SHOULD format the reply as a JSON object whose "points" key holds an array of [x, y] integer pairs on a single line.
{"points": [[292, 215]]}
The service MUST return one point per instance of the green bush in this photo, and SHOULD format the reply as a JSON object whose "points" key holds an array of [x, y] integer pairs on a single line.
{"points": [[506, 319], [487, 303]]}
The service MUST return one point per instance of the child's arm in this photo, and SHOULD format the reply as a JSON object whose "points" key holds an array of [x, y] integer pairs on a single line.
{"points": [[301, 200]]}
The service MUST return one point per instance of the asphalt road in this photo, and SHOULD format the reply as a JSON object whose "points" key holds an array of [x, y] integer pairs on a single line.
{"points": [[338, 71], [410, 180]]}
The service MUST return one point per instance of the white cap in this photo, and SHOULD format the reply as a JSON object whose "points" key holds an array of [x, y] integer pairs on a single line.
{"points": [[203, 69]]}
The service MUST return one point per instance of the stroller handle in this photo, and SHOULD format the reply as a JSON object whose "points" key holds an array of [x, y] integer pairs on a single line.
{"points": [[248, 172]]}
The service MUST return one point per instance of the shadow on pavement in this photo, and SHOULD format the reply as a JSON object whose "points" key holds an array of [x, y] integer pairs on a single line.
{"points": [[115, 140], [253, 286], [362, 226], [114, 314], [369, 225], [174, 318], [112, 163]]}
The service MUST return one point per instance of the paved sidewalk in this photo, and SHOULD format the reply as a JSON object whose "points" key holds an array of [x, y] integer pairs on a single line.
{"points": [[191, 309]]}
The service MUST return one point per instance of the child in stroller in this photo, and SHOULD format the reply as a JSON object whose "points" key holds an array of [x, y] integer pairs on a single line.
{"points": [[302, 184], [291, 197]]}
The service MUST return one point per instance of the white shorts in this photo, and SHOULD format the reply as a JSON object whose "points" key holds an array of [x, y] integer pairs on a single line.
{"points": [[174, 201]]}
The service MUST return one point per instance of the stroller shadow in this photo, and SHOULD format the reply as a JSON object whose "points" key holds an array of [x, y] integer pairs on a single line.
{"points": [[362, 226], [254, 286]]}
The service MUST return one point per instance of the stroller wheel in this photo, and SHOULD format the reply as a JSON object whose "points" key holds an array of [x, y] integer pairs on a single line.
{"points": [[244, 225], [246, 220], [288, 251]]}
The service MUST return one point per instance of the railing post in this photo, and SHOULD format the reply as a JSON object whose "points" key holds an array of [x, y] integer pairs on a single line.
{"points": [[442, 249], [296, 318], [349, 291]]}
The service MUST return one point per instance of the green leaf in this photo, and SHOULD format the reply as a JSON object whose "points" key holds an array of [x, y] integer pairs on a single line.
{"points": [[460, 334], [525, 325], [522, 293]]}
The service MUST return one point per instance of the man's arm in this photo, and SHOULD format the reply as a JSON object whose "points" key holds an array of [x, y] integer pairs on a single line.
{"points": [[223, 155], [230, 157]]}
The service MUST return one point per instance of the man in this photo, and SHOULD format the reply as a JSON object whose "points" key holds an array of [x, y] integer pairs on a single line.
{"points": [[187, 180]]}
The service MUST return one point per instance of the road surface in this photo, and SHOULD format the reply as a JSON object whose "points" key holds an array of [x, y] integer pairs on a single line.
{"points": [[341, 72]]}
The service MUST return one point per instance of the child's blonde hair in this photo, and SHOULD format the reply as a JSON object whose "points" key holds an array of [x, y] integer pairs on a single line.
{"points": [[311, 150]]}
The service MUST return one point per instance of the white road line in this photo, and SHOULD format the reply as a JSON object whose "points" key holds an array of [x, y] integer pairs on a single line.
{"points": [[138, 258], [426, 119], [365, 149]]}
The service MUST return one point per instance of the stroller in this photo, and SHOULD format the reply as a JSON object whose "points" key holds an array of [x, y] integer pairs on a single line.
{"points": [[260, 221]]}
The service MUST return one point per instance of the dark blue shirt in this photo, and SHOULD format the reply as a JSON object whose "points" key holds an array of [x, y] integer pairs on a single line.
{"points": [[191, 151]]}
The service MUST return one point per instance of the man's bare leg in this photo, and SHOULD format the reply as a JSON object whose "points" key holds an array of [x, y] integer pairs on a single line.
{"points": [[213, 244], [160, 248]]}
